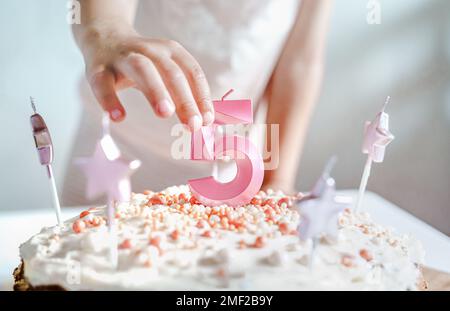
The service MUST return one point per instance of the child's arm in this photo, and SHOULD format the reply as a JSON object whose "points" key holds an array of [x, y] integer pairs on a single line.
{"points": [[117, 57], [294, 88]]}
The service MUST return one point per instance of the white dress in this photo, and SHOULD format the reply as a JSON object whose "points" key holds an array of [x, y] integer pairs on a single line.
{"points": [[236, 42]]}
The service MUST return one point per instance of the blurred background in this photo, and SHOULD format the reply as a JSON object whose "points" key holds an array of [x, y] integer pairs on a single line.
{"points": [[407, 56]]}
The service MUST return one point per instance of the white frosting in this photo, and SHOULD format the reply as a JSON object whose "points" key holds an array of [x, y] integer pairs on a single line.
{"points": [[225, 260]]}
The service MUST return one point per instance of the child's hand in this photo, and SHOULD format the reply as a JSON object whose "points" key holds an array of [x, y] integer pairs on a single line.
{"points": [[168, 76]]}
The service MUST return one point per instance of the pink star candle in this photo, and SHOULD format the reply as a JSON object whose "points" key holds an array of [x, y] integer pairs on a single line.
{"points": [[320, 215], [108, 172], [320, 210], [376, 137], [250, 165]]}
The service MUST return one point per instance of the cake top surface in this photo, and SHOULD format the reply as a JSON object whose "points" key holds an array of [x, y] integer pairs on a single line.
{"points": [[168, 240]]}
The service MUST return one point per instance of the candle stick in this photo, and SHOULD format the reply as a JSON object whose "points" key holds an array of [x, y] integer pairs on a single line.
{"points": [[376, 137], [112, 230], [363, 184], [312, 252], [44, 146], [108, 172]]}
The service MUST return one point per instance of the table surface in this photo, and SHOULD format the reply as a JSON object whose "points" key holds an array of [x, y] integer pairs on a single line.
{"points": [[17, 226]]}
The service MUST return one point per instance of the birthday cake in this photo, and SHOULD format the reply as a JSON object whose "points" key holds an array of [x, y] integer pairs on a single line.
{"points": [[169, 241]]}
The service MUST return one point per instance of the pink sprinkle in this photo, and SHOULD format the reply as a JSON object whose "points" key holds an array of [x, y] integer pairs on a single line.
{"points": [[126, 244], [78, 226]]}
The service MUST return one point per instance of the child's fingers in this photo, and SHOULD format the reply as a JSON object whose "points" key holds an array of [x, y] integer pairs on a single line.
{"points": [[141, 70], [180, 91], [198, 83], [103, 86]]}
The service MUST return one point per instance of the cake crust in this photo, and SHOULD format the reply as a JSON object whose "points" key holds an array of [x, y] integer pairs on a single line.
{"points": [[21, 284]]}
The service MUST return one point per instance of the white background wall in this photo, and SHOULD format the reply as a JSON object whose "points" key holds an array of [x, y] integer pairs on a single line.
{"points": [[407, 56], [37, 58]]}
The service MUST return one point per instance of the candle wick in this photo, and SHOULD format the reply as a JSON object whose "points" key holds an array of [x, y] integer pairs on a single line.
{"points": [[33, 106], [227, 93], [388, 99]]}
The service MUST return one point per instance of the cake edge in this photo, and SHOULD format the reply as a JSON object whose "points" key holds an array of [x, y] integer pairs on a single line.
{"points": [[22, 284]]}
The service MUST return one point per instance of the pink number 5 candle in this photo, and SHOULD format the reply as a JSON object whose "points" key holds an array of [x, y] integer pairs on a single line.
{"points": [[249, 163]]}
